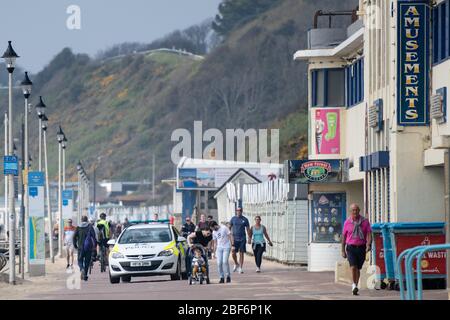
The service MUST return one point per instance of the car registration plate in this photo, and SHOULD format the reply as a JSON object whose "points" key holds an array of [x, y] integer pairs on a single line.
{"points": [[140, 264]]}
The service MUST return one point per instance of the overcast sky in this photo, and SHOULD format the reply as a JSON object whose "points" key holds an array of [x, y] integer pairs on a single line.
{"points": [[39, 29]]}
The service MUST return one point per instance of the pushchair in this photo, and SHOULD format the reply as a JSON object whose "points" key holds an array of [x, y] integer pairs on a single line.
{"points": [[202, 274]]}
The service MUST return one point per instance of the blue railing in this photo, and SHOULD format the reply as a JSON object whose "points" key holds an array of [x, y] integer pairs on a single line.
{"points": [[409, 255]]}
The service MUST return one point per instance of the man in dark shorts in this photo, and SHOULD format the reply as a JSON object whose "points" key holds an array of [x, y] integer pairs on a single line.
{"points": [[356, 241], [240, 227]]}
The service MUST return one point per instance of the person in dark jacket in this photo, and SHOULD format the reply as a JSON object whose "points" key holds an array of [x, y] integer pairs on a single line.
{"points": [[84, 247], [188, 227]]}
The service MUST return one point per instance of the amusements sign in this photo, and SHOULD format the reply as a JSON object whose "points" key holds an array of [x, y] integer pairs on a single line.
{"points": [[310, 171], [413, 63], [327, 131]]}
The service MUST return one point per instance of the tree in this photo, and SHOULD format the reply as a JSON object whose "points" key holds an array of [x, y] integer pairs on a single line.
{"points": [[233, 13]]}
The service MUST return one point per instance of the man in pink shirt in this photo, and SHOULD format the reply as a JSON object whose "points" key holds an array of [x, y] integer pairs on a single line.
{"points": [[356, 241]]}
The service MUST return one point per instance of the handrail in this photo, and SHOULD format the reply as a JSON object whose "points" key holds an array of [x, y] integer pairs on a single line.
{"points": [[436, 247], [399, 272], [410, 288], [418, 251]]}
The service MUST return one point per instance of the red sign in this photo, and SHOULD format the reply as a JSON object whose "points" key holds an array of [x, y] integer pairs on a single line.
{"points": [[432, 262], [379, 254]]}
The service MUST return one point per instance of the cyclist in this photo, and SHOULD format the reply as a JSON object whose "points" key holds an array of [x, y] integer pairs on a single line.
{"points": [[104, 234]]}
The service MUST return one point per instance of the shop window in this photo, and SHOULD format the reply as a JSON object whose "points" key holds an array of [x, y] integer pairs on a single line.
{"points": [[328, 216], [328, 88], [441, 30], [354, 83]]}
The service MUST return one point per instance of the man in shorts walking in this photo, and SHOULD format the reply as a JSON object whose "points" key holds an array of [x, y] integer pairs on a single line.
{"points": [[356, 241], [240, 227], [69, 232]]}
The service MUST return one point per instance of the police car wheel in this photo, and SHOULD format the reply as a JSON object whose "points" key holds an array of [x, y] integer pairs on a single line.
{"points": [[126, 278], [177, 275], [114, 279]]}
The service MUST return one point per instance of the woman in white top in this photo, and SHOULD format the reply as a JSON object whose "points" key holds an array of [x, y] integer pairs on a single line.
{"points": [[222, 247]]}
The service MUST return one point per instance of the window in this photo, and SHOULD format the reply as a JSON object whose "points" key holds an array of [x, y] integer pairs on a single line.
{"points": [[354, 81], [328, 88], [441, 30]]}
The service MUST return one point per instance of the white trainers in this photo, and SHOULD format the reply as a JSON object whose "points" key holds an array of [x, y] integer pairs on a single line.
{"points": [[258, 269], [354, 289], [240, 270], [235, 268]]}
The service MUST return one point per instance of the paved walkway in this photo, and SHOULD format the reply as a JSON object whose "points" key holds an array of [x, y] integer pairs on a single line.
{"points": [[275, 282]]}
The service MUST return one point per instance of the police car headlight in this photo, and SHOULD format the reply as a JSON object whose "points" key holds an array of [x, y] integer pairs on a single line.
{"points": [[166, 253], [117, 255]]}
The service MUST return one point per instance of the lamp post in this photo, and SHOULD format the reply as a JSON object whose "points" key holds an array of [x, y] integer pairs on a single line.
{"points": [[26, 85], [40, 110], [6, 180], [10, 57], [47, 188], [79, 195], [60, 137], [64, 145]]}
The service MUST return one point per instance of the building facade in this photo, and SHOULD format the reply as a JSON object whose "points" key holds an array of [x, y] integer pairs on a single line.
{"points": [[378, 101]]}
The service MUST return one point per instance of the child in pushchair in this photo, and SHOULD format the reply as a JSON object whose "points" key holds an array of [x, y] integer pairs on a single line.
{"points": [[199, 265]]}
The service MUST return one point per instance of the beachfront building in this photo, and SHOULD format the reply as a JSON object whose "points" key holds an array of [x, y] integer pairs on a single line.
{"points": [[378, 112]]}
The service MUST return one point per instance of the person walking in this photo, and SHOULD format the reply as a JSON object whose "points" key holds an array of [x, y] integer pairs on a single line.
{"points": [[356, 241], [188, 227], [202, 224], [239, 228], [118, 230], [69, 232], [256, 237], [84, 241], [126, 223], [222, 247]]}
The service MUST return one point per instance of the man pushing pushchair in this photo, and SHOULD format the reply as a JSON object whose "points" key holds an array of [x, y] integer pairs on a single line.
{"points": [[197, 258]]}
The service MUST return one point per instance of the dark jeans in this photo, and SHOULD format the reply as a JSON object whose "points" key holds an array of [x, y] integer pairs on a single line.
{"points": [[84, 261], [258, 251]]}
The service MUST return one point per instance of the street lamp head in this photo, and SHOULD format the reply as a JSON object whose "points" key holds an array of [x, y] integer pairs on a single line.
{"points": [[10, 57], [40, 107], [44, 121], [79, 166], [26, 85], [60, 135]]}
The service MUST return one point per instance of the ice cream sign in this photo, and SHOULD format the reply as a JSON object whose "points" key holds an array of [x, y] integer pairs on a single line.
{"points": [[413, 62], [316, 170], [327, 131]]}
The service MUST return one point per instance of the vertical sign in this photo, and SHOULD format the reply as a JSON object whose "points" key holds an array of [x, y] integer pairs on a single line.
{"points": [[67, 204], [327, 131], [36, 223], [413, 63]]}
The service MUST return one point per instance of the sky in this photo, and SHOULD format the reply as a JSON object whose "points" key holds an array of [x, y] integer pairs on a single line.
{"points": [[39, 29]]}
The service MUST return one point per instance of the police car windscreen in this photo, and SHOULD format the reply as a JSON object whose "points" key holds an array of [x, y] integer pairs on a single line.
{"points": [[145, 235]]}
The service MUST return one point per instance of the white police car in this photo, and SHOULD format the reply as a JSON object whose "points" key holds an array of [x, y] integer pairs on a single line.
{"points": [[147, 250]]}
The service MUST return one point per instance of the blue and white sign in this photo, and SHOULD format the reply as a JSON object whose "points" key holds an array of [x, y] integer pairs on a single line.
{"points": [[67, 204], [413, 62], [10, 165], [36, 224]]}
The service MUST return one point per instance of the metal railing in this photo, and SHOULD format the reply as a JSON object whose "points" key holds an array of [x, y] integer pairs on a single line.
{"points": [[408, 255]]}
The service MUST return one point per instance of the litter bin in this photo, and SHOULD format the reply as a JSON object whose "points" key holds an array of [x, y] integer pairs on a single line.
{"points": [[408, 235], [382, 254]]}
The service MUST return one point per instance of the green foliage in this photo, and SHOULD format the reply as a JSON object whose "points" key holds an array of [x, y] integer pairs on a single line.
{"points": [[233, 13]]}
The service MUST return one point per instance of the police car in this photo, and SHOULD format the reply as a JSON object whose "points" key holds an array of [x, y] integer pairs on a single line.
{"points": [[147, 249]]}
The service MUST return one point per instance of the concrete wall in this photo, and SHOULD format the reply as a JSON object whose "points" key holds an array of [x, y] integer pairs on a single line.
{"points": [[419, 192], [353, 135]]}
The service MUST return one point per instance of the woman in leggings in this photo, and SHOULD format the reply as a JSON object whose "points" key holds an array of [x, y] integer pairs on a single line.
{"points": [[258, 234]]}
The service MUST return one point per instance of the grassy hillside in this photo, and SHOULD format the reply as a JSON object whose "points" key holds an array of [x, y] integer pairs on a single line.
{"points": [[124, 110]]}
